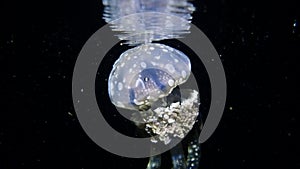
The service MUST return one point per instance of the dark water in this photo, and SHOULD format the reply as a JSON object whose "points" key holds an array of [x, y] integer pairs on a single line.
{"points": [[258, 43]]}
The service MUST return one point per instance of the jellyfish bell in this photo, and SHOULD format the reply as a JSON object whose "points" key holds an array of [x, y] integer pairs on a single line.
{"points": [[146, 73]]}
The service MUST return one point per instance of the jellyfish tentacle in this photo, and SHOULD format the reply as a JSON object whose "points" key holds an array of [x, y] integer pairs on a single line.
{"points": [[154, 162]]}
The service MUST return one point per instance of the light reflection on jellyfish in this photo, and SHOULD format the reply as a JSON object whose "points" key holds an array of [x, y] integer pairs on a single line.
{"points": [[145, 78]]}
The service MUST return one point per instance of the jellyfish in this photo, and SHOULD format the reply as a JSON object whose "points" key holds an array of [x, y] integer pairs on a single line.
{"points": [[146, 78]]}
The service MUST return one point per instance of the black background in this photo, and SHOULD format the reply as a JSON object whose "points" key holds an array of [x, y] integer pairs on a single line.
{"points": [[258, 42]]}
